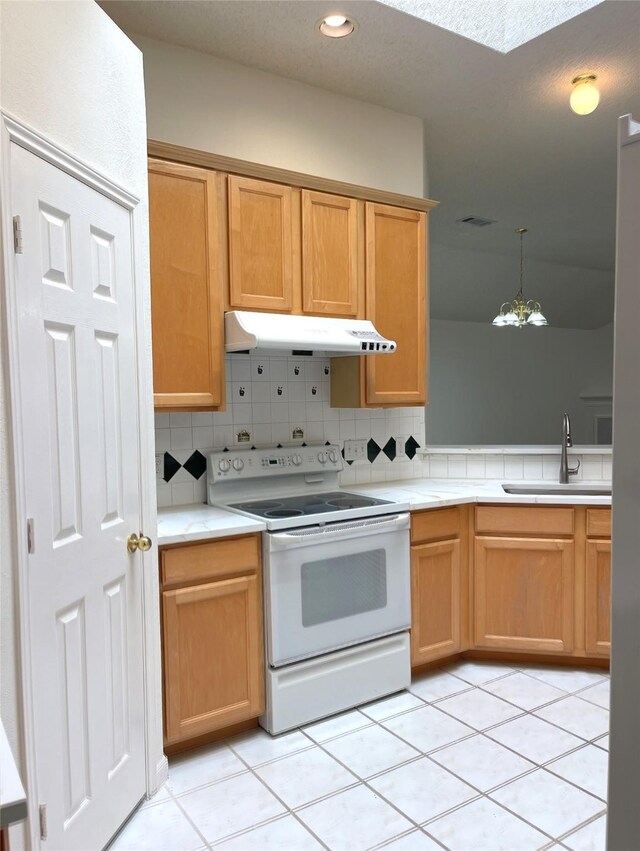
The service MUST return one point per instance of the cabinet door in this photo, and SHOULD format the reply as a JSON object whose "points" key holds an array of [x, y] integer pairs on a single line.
{"points": [[396, 292], [186, 288], [435, 601], [261, 260], [213, 656], [524, 594], [598, 598], [332, 267]]}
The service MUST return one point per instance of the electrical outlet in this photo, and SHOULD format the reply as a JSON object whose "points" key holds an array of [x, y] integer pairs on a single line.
{"points": [[400, 442], [159, 465], [355, 450]]}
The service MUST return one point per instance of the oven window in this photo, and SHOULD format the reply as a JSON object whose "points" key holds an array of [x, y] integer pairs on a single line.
{"points": [[334, 588]]}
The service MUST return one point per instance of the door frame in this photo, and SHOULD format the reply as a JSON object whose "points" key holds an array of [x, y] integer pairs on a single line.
{"points": [[156, 765]]}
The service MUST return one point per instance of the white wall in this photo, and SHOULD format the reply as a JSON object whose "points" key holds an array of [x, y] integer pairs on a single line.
{"points": [[68, 72], [506, 385], [199, 101]]}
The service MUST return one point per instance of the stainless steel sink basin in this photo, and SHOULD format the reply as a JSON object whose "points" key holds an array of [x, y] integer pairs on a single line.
{"points": [[556, 490]]}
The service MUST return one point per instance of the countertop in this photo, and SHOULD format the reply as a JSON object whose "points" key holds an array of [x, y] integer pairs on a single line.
{"points": [[184, 523], [436, 493]]}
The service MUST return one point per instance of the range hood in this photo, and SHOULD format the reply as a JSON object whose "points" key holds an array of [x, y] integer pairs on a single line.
{"points": [[281, 333]]}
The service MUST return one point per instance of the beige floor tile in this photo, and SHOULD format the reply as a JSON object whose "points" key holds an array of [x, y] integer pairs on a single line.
{"points": [[257, 746], [482, 762], [587, 768], [369, 751], [524, 691], [534, 738], [391, 706], [422, 789], [478, 709], [428, 728], [478, 673], [230, 806], [354, 820], [567, 679], [591, 837], [548, 802], [436, 685], [483, 825], [416, 841], [284, 834], [304, 777], [202, 766], [598, 694], [160, 828], [321, 731], [577, 716]]}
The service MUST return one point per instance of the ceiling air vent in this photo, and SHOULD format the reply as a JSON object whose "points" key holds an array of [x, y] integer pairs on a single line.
{"points": [[476, 221]]}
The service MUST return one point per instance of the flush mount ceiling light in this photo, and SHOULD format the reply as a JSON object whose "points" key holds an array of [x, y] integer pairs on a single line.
{"points": [[585, 95], [336, 26], [520, 312]]}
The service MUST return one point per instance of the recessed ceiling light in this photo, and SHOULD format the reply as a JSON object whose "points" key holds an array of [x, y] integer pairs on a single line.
{"points": [[336, 26]]}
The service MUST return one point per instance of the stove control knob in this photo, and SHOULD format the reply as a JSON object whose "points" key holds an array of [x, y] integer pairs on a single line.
{"points": [[296, 460], [333, 456], [322, 457], [224, 466], [238, 464]]}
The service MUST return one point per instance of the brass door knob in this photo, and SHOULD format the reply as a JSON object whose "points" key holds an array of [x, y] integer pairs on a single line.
{"points": [[142, 543]]}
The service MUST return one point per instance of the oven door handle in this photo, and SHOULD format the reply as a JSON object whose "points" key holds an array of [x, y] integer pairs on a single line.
{"points": [[345, 530]]}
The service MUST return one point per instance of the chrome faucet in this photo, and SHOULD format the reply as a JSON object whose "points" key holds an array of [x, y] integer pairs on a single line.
{"points": [[565, 469]]}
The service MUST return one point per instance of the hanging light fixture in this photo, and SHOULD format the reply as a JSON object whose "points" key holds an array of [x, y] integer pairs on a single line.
{"points": [[585, 96], [520, 312]]}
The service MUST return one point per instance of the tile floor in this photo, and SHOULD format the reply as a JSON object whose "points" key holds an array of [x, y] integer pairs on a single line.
{"points": [[477, 757]]}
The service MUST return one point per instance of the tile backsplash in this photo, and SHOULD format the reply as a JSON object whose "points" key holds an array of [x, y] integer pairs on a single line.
{"points": [[270, 399], [511, 467]]}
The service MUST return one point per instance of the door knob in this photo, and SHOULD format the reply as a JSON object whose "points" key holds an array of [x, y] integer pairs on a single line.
{"points": [[142, 543]]}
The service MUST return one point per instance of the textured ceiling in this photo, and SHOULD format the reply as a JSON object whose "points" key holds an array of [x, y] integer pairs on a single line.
{"points": [[501, 141], [500, 24]]}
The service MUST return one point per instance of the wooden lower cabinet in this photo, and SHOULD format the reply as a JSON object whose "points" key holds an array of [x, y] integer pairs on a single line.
{"points": [[524, 594], [435, 600], [213, 651], [598, 598]]}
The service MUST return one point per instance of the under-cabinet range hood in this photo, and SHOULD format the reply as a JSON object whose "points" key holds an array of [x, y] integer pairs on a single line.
{"points": [[280, 333]]}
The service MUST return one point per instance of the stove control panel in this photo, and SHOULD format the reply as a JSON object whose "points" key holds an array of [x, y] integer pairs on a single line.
{"points": [[291, 460]]}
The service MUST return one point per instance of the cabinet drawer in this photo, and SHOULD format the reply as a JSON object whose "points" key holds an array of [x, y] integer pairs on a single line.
{"points": [[524, 520], [599, 522], [195, 562], [435, 524]]}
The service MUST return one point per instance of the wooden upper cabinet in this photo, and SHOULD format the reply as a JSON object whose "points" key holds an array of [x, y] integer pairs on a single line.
{"points": [[396, 299], [332, 255], [598, 598], [262, 273], [524, 594], [186, 287]]}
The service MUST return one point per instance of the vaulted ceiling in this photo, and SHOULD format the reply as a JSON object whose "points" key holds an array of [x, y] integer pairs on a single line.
{"points": [[501, 141]]}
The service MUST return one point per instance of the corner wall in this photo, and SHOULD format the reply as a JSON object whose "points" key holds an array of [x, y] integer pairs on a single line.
{"points": [[199, 101]]}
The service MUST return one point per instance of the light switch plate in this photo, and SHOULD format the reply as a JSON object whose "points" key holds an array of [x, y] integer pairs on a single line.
{"points": [[355, 450], [159, 465], [400, 443]]}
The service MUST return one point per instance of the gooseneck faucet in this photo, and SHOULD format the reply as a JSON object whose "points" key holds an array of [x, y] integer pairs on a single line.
{"points": [[565, 469]]}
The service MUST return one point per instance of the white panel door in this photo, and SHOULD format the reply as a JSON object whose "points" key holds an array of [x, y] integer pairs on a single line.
{"points": [[79, 415]]}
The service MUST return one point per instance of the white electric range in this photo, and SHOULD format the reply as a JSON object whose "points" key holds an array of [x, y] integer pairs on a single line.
{"points": [[336, 580]]}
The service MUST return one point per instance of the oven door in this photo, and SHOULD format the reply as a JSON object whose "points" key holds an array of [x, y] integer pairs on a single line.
{"points": [[331, 586]]}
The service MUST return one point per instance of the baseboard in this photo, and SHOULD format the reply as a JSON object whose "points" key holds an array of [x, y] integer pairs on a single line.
{"points": [[207, 738], [511, 656]]}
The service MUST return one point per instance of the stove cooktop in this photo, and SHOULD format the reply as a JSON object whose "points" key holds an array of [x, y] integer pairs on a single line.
{"points": [[290, 507]]}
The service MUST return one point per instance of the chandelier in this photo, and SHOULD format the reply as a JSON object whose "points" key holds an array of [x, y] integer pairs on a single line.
{"points": [[520, 312]]}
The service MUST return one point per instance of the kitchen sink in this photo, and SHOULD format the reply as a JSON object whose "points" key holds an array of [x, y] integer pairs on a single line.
{"points": [[557, 490]]}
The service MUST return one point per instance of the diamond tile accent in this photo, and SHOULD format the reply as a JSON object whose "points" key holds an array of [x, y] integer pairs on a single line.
{"points": [[389, 448], [171, 467], [410, 448], [373, 450], [196, 464]]}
